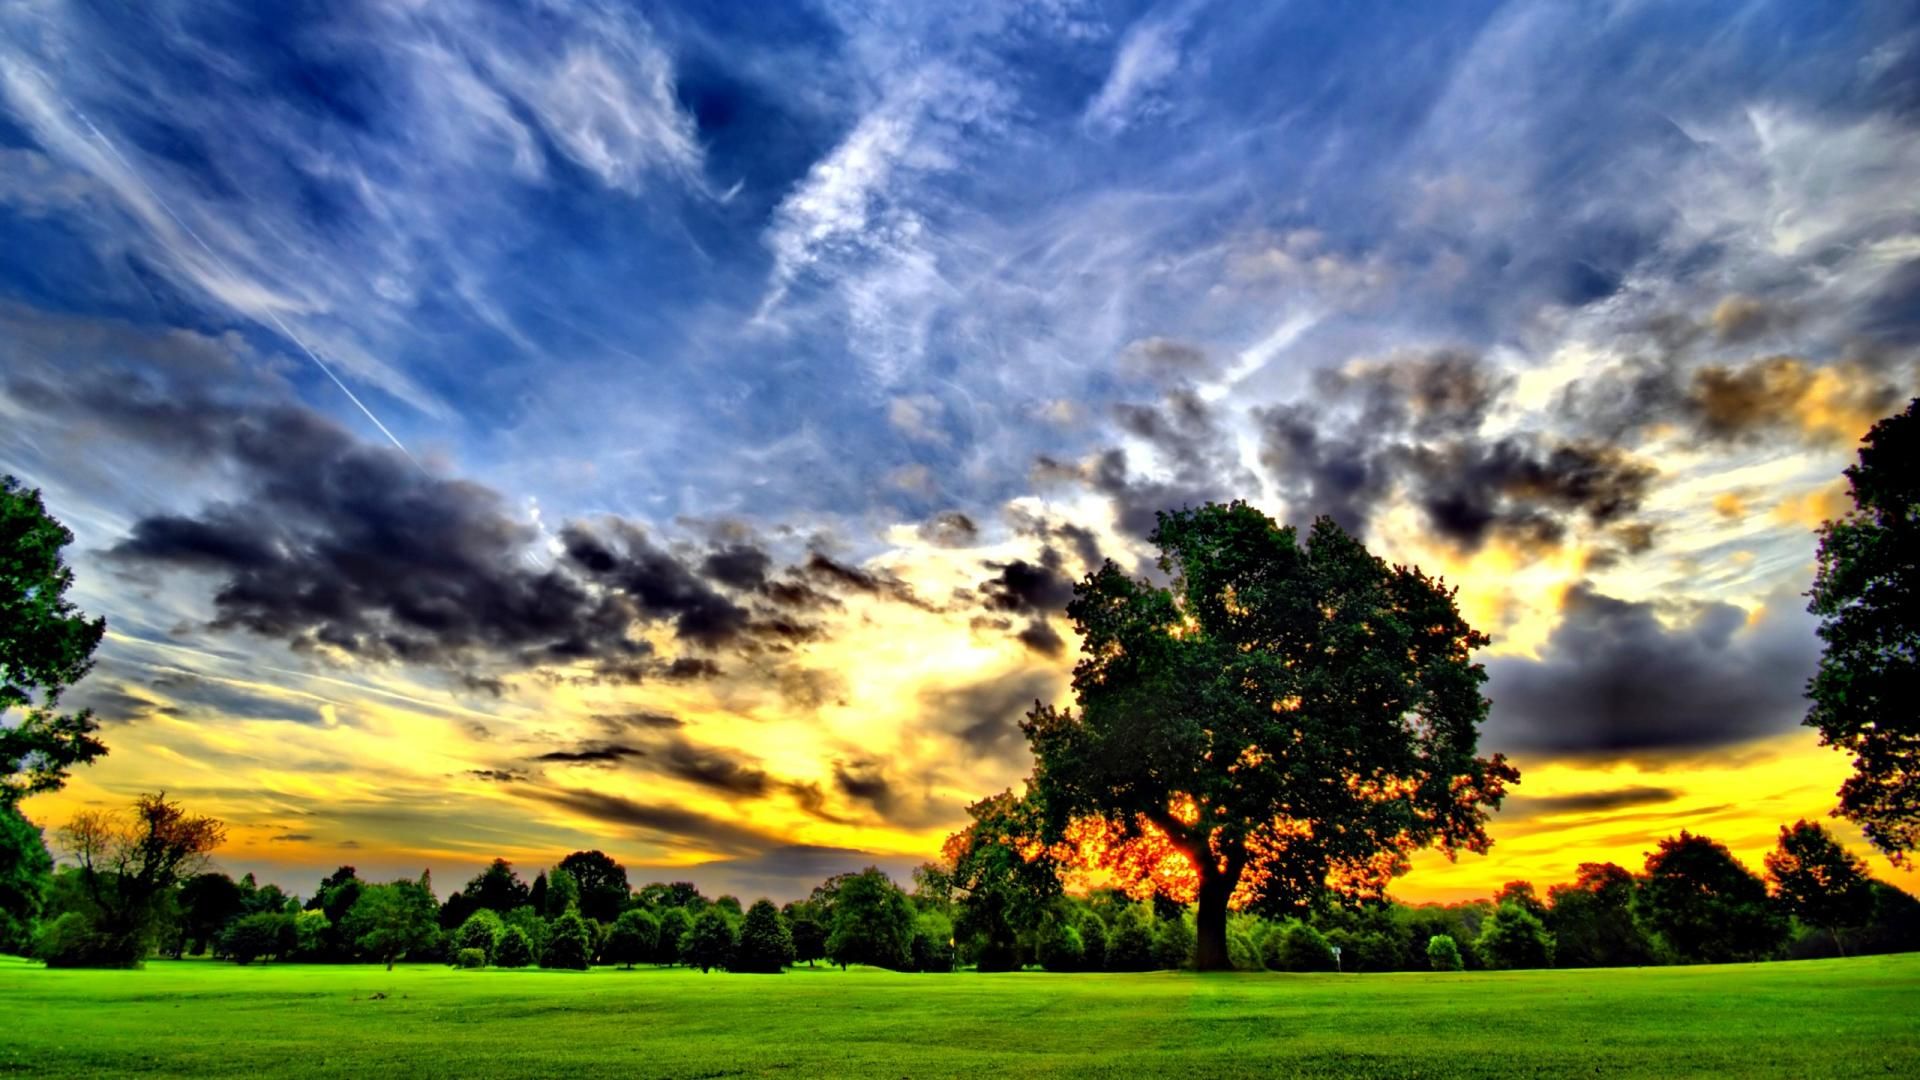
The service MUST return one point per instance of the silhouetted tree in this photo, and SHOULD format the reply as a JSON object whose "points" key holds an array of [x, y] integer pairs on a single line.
{"points": [[129, 860], [515, 950], [1255, 714], [1705, 905], [709, 944], [251, 937], [764, 946], [1869, 677], [1093, 941], [1003, 881], [389, 921], [809, 932], [1819, 882], [872, 922], [537, 894], [497, 888], [46, 645], [1592, 920], [635, 936], [208, 902], [603, 884], [1521, 894], [562, 894], [1060, 947]]}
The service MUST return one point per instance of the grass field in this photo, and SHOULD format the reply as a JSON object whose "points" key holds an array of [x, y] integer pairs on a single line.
{"points": [[1850, 1018]]}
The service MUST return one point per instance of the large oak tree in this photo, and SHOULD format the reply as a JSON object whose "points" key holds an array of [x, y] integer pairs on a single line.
{"points": [[1294, 718]]}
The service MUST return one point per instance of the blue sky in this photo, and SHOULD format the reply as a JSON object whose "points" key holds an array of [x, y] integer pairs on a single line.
{"points": [[828, 280]]}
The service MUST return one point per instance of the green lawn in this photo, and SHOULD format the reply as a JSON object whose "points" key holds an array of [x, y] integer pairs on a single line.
{"points": [[1817, 1018]]}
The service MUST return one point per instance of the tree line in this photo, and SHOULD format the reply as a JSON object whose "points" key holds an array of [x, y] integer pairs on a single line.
{"points": [[139, 886]]}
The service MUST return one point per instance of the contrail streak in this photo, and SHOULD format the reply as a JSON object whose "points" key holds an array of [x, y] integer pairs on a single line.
{"points": [[268, 312]]}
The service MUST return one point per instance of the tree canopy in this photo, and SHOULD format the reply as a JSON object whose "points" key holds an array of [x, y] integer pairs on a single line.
{"points": [[1706, 905], [1292, 718], [46, 645], [602, 882], [130, 860], [1867, 594], [1819, 882]]}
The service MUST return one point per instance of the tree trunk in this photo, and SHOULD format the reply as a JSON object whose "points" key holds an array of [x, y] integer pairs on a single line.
{"points": [[1210, 923], [389, 963]]}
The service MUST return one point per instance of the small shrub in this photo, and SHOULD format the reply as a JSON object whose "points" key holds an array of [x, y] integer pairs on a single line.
{"points": [[514, 951], [471, 958], [251, 937], [72, 941], [481, 931], [1241, 952], [1443, 953]]}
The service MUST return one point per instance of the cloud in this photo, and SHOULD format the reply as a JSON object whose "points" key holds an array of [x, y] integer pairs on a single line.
{"points": [[984, 717], [787, 872], [591, 754], [673, 825], [1523, 807], [1615, 680], [1148, 56]]}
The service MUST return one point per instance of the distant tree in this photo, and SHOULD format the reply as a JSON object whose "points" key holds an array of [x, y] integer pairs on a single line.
{"points": [[129, 860], [1130, 940], [1819, 882], [1443, 953], [1269, 677], [569, 943], [311, 933], [809, 933], [764, 946], [389, 921], [562, 895], [497, 888], [46, 645], [872, 922], [26, 872], [514, 950], [537, 893], [208, 902], [1003, 881], [1297, 947], [1093, 941], [251, 937], [675, 924], [709, 944], [1173, 943], [933, 887], [1894, 926], [1060, 947], [1705, 905], [635, 937], [932, 946], [1592, 920], [1864, 591], [481, 931], [1521, 895], [603, 884], [1514, 938]]}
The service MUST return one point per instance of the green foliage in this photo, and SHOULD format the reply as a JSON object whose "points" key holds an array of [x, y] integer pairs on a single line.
{"points": [[764, 945], [999, 892], [809, 933], [389, 921], [569, 943], [562, 894], [1705, 905], [1819, 882], [1443, 954], [1592, 920], [675, 923], [311, 933], [253, 937], [932, 941], [1515, 938], [46, 646], [129, 863], [1093, 941], [26, 871], [481, 931], [207, 903], [602, 884], [1060, 947], [471, 958], [497, 888], [1130, 940], [1271, 675], [635, 937], [709, 944], [72, 940], [1863, 591], [527, 918], [872, 922], [1295, 946], [514, 950], [1173, 943]]}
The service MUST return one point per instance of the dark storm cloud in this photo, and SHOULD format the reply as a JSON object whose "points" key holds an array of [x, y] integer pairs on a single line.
{"points": [[498, 776], [637, 721], [1612, 679], [830, 573], [739, 566], [1026, 588], [865, 781], [1522, 807], [592, 754], [1725, 403], [194, 694], [709, 767], [985, 716], [1414, 426], [1040, 636], [671, 823], [622, 558]]}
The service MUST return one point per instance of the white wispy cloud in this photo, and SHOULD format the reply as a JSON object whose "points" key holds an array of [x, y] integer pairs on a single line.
{"points": [[1149, 56]]}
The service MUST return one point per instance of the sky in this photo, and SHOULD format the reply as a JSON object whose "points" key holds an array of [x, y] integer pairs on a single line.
{"points": [[507, 429]]}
